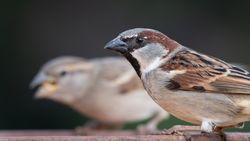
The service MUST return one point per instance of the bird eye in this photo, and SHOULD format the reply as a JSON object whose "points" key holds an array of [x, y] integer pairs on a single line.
{"points": [[63, 73], [125, 39], [139, 40]]}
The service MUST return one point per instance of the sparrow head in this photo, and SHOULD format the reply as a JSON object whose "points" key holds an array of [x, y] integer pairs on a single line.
{"points": [[62, 79], [141, 46]]}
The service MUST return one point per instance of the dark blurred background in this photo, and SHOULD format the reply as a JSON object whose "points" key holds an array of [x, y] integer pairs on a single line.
{"points": [[33, 32]]}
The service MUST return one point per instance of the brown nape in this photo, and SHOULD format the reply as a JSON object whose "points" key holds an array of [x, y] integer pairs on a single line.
{"points": [[157, 37]]}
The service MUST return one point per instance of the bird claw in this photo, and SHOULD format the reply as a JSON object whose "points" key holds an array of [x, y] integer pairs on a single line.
{"points": [[172, 131], [179, 130]]}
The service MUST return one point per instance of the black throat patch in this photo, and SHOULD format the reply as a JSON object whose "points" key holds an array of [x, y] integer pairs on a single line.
{"points": [[134, 63]]}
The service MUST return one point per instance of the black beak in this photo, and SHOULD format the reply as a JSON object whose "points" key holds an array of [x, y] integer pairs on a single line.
{"points": [[117, 45]]}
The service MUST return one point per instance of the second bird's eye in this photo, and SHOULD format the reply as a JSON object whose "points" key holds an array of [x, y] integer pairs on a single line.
{"points": [[125, 39], [139, 40], [63, 73]]}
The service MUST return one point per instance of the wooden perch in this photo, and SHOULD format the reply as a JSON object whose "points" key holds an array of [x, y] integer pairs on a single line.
{"points": [[63, 135]]}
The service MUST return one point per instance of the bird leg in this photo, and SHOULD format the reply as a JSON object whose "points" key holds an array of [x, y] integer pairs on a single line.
{"points": [[151, 126], [219, 130], [211, 127], [189, 131]]}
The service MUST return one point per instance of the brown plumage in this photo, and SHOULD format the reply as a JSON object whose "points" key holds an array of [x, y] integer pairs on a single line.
{"points": [[192, 86], [207, 74]]}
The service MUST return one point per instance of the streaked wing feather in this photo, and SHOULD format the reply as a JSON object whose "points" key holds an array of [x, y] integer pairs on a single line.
{"points": [[231, 85], [205, 73]]}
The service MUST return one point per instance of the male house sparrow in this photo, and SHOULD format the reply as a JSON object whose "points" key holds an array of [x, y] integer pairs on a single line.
{"points": [[105, 89], [192, 86]]}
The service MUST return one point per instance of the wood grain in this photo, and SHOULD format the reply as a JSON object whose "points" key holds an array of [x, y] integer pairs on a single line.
{"points": [[69, 135]]}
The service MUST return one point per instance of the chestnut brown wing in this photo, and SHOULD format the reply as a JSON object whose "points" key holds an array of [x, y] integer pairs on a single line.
{"points": [[205, 73]]}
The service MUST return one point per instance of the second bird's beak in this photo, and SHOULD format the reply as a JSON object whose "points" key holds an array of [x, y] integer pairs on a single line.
{"points": [[117, 45], [45, 84]]}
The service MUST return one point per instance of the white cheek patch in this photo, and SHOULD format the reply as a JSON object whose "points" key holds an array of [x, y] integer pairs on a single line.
{"points": [[155, 63], [150, 56]]}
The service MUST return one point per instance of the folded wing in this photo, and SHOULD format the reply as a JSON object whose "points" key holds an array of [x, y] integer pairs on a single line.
{"points": [[205, 73]]}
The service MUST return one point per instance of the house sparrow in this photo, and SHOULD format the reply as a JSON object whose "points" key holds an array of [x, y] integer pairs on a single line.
{"points": [[105, 89], [192, 86]]}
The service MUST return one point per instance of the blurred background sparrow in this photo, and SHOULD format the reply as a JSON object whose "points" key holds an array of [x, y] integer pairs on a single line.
{"points": [[105, 89]]}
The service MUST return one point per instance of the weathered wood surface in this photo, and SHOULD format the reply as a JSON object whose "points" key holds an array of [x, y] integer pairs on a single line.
{"points": [[64, 135]]}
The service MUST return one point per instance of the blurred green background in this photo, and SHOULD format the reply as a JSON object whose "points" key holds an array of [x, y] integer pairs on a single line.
{"points": [[33, 32]]}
